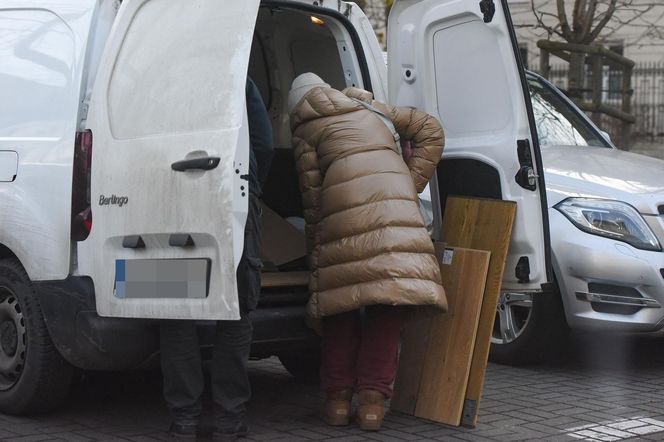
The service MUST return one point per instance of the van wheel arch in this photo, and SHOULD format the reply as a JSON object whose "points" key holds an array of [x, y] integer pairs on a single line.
{"points": [[5, 252], [40, 380], [467, 177]]}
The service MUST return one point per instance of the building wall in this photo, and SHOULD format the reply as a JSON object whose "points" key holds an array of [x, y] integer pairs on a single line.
{"points": [[642, 39], [375, 11]]}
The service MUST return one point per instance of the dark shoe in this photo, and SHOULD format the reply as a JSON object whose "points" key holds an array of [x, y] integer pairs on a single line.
{"points": [[222, 434], [183, 432], [337, 407], [371, 410]]}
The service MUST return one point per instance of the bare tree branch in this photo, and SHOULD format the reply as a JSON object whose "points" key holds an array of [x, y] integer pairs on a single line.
{"points": [[539, 16], [607, 16], [578, 16], [564, 24], [599, 20], [587, 26]]}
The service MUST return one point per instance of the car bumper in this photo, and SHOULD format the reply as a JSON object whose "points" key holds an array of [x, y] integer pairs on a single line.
{"points": [[587, 265], [91, 342]]}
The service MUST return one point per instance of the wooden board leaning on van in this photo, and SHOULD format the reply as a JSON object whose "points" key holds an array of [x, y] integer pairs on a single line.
{"points": [[443, 358], [436, 352]]}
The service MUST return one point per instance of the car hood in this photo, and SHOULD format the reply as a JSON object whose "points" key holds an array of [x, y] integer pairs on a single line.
{"points": [[598, 172]]}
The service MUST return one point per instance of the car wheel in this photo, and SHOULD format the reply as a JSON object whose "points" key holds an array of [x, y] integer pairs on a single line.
{"points": [[529, 328], [33, 375], [303, 366]]}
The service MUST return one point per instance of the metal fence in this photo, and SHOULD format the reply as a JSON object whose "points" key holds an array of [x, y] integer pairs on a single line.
{"points": [[647, 99]]}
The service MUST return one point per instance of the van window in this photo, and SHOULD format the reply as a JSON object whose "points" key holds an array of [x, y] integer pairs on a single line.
{"points": [[36, 61]]}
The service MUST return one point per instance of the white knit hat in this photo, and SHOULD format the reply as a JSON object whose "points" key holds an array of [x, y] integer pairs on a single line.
{"points": [[302, 84]]}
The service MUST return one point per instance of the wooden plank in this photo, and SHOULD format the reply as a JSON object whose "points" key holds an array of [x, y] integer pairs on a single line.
{"points": [[451, 340], [414, 340], [284, 279], [482, 224]]}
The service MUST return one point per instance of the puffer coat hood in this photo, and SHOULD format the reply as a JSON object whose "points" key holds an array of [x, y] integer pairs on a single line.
{"points": [[368, 243]]}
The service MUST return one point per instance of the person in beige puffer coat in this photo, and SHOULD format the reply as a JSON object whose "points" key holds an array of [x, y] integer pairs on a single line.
{"points": [[369, 247]]}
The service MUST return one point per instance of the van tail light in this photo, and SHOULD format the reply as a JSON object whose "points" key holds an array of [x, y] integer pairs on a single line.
{"points": [[81, 213]]}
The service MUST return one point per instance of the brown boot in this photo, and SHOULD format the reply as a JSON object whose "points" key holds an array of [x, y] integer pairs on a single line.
{"points": [[337, 407], [371, 411]]}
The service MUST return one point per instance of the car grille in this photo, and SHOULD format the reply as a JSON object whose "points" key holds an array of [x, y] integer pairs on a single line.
{"points": [[617, 290]]}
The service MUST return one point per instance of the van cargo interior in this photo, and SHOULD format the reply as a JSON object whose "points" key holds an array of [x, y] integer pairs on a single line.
{"points": [[288, 42]]}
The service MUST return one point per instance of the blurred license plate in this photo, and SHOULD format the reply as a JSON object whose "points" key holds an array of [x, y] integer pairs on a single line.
{"points": [[161, 278]]}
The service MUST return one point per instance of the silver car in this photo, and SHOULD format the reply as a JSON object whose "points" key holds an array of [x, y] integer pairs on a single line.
{"points": [[606, 216]]}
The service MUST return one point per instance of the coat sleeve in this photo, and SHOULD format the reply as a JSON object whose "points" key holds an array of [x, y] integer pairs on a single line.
{"points": [[426, 134], [423, 130], [311, 181], [260, 131]]}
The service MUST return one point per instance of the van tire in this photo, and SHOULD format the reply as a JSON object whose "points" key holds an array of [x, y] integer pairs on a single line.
{"points": [[35, 378], [542, 340], [303, 366]]}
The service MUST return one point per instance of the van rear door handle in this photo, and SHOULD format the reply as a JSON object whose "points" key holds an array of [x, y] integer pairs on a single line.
{"points": [[203, 163]]}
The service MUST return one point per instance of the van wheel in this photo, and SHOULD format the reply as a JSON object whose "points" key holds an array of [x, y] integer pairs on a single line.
{"points": [[33, 375], [303, 366], [529, 328]]}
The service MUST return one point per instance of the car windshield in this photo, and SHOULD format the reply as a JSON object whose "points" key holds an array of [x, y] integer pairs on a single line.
{"points": [[558, 124]]}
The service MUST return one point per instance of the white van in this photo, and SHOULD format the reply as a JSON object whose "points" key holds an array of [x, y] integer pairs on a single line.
{"points": [[124, 148]]}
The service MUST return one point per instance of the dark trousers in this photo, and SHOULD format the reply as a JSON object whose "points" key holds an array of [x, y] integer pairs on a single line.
{"points": [[180, 353], [183, 372], [361, 352]]}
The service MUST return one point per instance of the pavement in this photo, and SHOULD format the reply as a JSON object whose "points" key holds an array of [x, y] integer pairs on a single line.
{"points": [[606, 387]]}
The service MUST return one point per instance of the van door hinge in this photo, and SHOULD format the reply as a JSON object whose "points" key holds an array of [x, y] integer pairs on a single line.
{"points": [[83, 109], [488, 8], [526, 176], [83, 113], [347, 11], [522, 270]]}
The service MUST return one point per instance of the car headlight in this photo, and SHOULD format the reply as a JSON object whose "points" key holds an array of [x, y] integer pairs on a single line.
{"points": [[611, 219]]}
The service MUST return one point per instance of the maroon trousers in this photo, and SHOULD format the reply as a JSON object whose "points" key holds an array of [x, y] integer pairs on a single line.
{"points": [[359, 352]]}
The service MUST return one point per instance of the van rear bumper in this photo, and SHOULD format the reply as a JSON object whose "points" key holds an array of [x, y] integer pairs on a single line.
{"points": [[91, 342]]}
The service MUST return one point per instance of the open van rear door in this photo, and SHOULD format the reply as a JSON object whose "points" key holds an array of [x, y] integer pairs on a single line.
{"points": [[458, 60], [169, 184]]}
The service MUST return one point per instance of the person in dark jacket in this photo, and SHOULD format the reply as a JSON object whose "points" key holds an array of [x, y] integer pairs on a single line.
{"points": [[180, 354]]}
